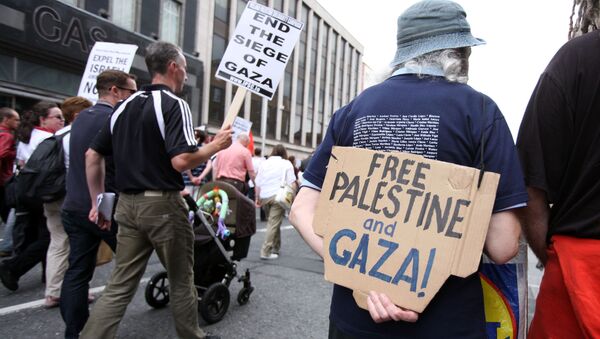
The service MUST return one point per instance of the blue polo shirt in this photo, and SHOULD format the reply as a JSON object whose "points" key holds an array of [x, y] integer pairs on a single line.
{"points": [[83, 130], [439, 120]]}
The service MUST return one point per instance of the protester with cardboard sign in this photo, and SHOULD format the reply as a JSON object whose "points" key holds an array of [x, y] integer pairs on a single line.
{"points": [[424, 108], [559, 146]]}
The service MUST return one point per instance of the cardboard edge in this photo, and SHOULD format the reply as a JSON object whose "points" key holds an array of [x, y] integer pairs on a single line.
{"points": [[321, 217], [461, 266]]}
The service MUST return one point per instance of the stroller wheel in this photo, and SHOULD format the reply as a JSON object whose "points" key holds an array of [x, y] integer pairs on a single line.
{"points": [[214, 303], [157, 290], [244, 295]]}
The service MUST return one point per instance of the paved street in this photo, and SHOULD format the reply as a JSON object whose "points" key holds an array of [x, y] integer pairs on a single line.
{"points": [[291, 300]]}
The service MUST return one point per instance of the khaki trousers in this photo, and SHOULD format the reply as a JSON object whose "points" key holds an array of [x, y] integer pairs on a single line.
{"points": [[148, 221], [58, 250], [275, 214]]}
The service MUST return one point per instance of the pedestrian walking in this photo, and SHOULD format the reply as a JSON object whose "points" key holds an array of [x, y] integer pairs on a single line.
{"points": [[58, 250], [234, 163], [30, 234], [560, 151], [274, 171], [84, 236], [151, 139], [449, 121]]}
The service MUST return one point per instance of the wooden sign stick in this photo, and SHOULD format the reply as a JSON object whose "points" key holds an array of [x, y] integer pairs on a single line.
{"points": [[235, 106]]}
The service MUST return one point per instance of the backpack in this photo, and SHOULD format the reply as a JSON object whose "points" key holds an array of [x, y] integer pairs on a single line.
{"points": [[43, 178]]}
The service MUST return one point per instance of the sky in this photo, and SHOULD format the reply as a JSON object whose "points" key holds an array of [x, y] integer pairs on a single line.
{"points": [[521, 35]]}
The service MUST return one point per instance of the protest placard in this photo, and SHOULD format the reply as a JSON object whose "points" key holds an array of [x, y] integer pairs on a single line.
{"points": [[401, 224], [240, 125], [104, 56], [261, 46]]}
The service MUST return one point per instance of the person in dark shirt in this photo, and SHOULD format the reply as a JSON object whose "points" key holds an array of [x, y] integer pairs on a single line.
{"points": [[84, 236], [151, 139], [424, 108], [559, 146]]}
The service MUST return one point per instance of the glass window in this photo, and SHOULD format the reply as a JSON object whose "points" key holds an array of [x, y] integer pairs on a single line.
{"points": [[299, 105], [303, 35], [6, 100], [124, 13], [170, 21], [285, 121], [222, 10], [340, 74], [217, 103], [47, 78], [218, 48], [278, 5], [272, 117], [6, 68], [255, 110], [241, 5], [292, 9], [287, 95], [332, 73]]}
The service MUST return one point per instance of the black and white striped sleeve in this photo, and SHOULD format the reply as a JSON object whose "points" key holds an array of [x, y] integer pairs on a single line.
{"points": [[176, 127]]}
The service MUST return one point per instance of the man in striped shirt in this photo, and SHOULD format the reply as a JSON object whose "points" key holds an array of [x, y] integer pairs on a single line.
{"points": [[151, 138]]}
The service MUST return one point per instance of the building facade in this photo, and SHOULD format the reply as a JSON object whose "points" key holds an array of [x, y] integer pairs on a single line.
{"points": [[323, 73], [44, 45]]}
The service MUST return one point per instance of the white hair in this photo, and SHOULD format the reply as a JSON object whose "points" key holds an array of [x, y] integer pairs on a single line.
{"points": [[453, 62]]}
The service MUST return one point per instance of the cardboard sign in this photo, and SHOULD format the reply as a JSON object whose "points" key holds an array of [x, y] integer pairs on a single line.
{"points": [[104, 56], [401, 224], [259, 50]]}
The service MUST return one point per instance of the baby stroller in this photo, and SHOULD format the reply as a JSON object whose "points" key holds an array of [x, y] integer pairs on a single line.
{"points": [[218, 231]]}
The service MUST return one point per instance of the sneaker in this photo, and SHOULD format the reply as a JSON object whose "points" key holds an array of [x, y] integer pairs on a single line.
{"points": [[8, 279], [51, 302], [270, 256]]}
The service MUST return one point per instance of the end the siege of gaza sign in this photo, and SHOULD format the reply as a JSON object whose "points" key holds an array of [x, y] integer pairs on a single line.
{"points": [[401, 224], [261, 46]]}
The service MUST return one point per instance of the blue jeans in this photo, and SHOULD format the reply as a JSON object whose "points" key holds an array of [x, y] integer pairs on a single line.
{"points": [[84, 239], [7, 242]]}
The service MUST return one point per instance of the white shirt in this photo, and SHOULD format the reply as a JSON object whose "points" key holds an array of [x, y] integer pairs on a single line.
{"points": [[272, 173], [24, 150], [65, 142], [256, 162]]}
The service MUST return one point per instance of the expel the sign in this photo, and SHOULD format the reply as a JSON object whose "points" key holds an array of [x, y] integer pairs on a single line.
{"points": [[260, 49], [104, 56], [401, 224]]}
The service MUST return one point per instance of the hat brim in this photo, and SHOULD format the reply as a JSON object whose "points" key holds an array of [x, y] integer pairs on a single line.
{"points": [[427, 45]]}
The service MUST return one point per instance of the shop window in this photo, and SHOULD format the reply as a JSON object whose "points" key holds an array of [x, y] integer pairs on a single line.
{"points": [[47, 78], [6, 68]]}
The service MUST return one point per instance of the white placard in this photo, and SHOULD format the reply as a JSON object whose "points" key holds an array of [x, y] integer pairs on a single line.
{"points": [[104, 56], [240, 125], [261, 46]]}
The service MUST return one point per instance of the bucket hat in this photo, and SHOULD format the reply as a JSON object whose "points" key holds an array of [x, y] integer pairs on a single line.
{"points": [[432, 25]]}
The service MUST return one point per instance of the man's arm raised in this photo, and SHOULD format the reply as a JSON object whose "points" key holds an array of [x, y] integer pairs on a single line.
{"points": [[185, 161]]}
